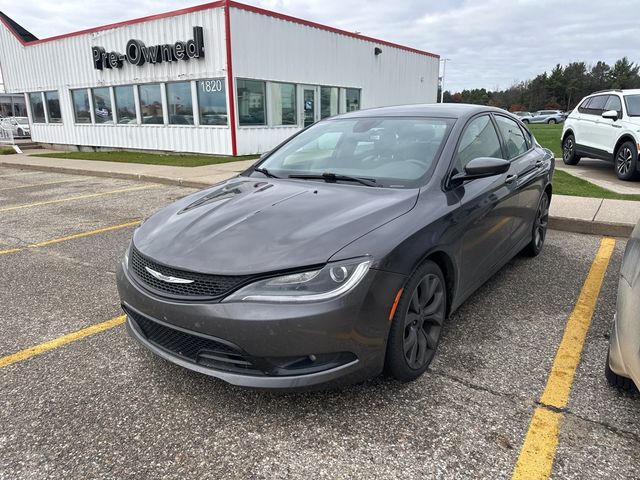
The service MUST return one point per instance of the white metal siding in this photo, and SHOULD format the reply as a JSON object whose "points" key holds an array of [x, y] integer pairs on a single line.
{"points": [[67, 64]]}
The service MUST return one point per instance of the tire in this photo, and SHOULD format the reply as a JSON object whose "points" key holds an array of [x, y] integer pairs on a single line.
{"points": [[20, 133], [551, 121], [525, 121], [569, 156], [417, 324], [618, 381], [539, 228], [626, 161]]}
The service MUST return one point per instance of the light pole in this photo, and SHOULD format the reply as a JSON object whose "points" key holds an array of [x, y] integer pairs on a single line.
{"points": [[444, 69]]}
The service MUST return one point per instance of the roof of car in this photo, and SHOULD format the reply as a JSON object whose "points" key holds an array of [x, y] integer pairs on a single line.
{"points": [[630, 91], [443, 110]]}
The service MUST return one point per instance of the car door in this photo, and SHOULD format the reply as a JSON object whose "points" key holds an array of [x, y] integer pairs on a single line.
{"points": [[526, 165], [590, 120], [606, 130], [487, 205]]}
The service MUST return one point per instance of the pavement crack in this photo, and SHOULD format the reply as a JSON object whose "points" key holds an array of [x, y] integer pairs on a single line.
{"points": [[597, 211], [508, 396], [615, 430]]}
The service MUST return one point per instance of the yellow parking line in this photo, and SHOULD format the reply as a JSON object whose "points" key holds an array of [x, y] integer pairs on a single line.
{"points": [[79, 197], [25, 354], [539, 449], [73, 237], [31, 185]]}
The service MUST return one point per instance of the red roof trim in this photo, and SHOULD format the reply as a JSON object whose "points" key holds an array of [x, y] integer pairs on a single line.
{"points": [[217, 4]]}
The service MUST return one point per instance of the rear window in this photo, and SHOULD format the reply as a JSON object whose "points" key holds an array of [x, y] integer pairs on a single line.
{"points": [[633, 105]]}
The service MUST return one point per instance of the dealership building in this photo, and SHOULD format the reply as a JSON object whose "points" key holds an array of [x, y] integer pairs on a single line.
{"points": [[221, 78]]}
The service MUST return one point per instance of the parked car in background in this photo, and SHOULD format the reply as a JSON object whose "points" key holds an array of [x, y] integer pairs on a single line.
{"points": [[340, 253], [623, 362], [544, 116], [606, 126], [18, 125]]}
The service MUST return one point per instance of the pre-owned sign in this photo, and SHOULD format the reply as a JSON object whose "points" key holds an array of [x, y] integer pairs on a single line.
{"points": [[137, 53]]}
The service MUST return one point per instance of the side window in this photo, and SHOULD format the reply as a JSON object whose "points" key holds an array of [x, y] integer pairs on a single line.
{"points": [[583, 106], [596, 105], [614, 103], [512, 135], [479, 139]]}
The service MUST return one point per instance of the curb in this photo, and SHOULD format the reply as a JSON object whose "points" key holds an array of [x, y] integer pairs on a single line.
{"points": [[123, 176], [555, 223]]}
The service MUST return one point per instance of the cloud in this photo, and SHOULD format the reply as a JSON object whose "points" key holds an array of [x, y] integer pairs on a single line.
{"points": [[491, 44]]}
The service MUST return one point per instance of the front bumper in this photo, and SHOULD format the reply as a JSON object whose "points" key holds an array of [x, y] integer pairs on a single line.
{"points": [[348, 332], [624, 342]]}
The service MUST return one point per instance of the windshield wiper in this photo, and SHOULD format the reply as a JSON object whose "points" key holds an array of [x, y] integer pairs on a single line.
{"points": [[333, 177], [265, 172]]}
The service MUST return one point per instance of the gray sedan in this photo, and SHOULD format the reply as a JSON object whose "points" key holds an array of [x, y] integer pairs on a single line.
{"points": [[623, 366], [545, 116]]}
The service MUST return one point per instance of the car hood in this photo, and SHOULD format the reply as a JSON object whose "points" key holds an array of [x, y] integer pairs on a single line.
{"points": [[245, 226]]}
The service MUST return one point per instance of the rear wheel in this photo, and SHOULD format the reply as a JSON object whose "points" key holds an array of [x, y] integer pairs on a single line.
{"points": [[627, 161], [417, 324], [525, 121], [569, 156], [618, 381], [551, 121], [539, 229]]}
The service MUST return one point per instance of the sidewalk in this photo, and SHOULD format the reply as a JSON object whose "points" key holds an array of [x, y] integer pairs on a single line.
{"points": [[599, 173], [574, 214]]}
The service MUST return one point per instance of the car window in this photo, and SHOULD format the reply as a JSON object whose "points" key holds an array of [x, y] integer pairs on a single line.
{"points": [[397, 151], [512, 135], [583, 105], [633, 105], [479, 139], [613, 103], [596, 105]]}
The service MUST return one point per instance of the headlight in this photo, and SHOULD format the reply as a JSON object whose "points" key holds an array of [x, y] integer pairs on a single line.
{"points": [[326, 283]]}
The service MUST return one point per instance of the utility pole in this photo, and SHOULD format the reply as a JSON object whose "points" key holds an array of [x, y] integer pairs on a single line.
{"points": [[444, 69]]}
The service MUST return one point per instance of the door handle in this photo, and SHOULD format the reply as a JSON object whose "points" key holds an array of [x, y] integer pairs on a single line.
{"points": [[511, 178]]}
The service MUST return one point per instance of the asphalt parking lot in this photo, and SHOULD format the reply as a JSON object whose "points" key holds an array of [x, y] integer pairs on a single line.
{"points": [[103, 407]]}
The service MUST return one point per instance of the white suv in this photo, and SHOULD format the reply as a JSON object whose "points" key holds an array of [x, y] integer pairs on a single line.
{"points": [[605, 125]]}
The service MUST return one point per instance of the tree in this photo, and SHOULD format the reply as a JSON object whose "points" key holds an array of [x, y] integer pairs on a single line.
{"points": [[625, 74]]}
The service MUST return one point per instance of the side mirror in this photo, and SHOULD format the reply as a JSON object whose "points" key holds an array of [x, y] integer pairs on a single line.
{"points": [[610, 114], [482, 167]]}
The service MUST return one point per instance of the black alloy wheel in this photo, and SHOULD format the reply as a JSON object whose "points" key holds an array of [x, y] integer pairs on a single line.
{"points": [[417, 323], [569, 156], [627, 161], [540, 224]]}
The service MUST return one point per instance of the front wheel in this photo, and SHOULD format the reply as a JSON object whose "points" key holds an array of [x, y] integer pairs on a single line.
{"points": [[417, 324], [525, 121], [539, 228], [618, 381], [569, 156], [627, 161], [20, 133]]}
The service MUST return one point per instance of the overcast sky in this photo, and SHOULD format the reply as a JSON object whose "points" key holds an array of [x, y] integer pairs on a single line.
{"points": [[491, 43]]}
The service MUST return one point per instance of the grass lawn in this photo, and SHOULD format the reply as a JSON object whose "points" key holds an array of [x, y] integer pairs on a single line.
{"points": [[148, 158], [565, 184], [548, 136], [6, 151]]}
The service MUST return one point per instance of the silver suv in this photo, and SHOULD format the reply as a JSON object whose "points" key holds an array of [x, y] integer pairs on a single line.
{"points": [[544, 116], [606, 125]]}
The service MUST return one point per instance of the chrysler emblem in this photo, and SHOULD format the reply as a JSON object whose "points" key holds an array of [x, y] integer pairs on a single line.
{"points": [[167, 278]]}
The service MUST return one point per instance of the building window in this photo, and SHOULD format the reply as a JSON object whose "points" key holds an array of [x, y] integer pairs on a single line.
{"points": [[328, 101], [212, 102], [19, 107], [81, 110], [125, 105], [37, 107], [353, 99], [53, 106], [179, 103], [251, 104], [102, 105], [151, 104], [282, 103]]}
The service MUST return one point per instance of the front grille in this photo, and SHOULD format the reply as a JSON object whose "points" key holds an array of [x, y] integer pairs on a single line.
{"points": [[193, 348], [204, 286]]}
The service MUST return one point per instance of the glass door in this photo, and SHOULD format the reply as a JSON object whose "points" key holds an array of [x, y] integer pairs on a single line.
{"points": [[309, 105]]}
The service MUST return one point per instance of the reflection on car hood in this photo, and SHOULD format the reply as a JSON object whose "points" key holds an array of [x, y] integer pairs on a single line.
{"points": [[247, 226]]}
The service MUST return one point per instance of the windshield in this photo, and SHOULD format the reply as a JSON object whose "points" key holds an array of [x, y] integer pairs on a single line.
{"points": [[393, 151], [633, 105]]}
